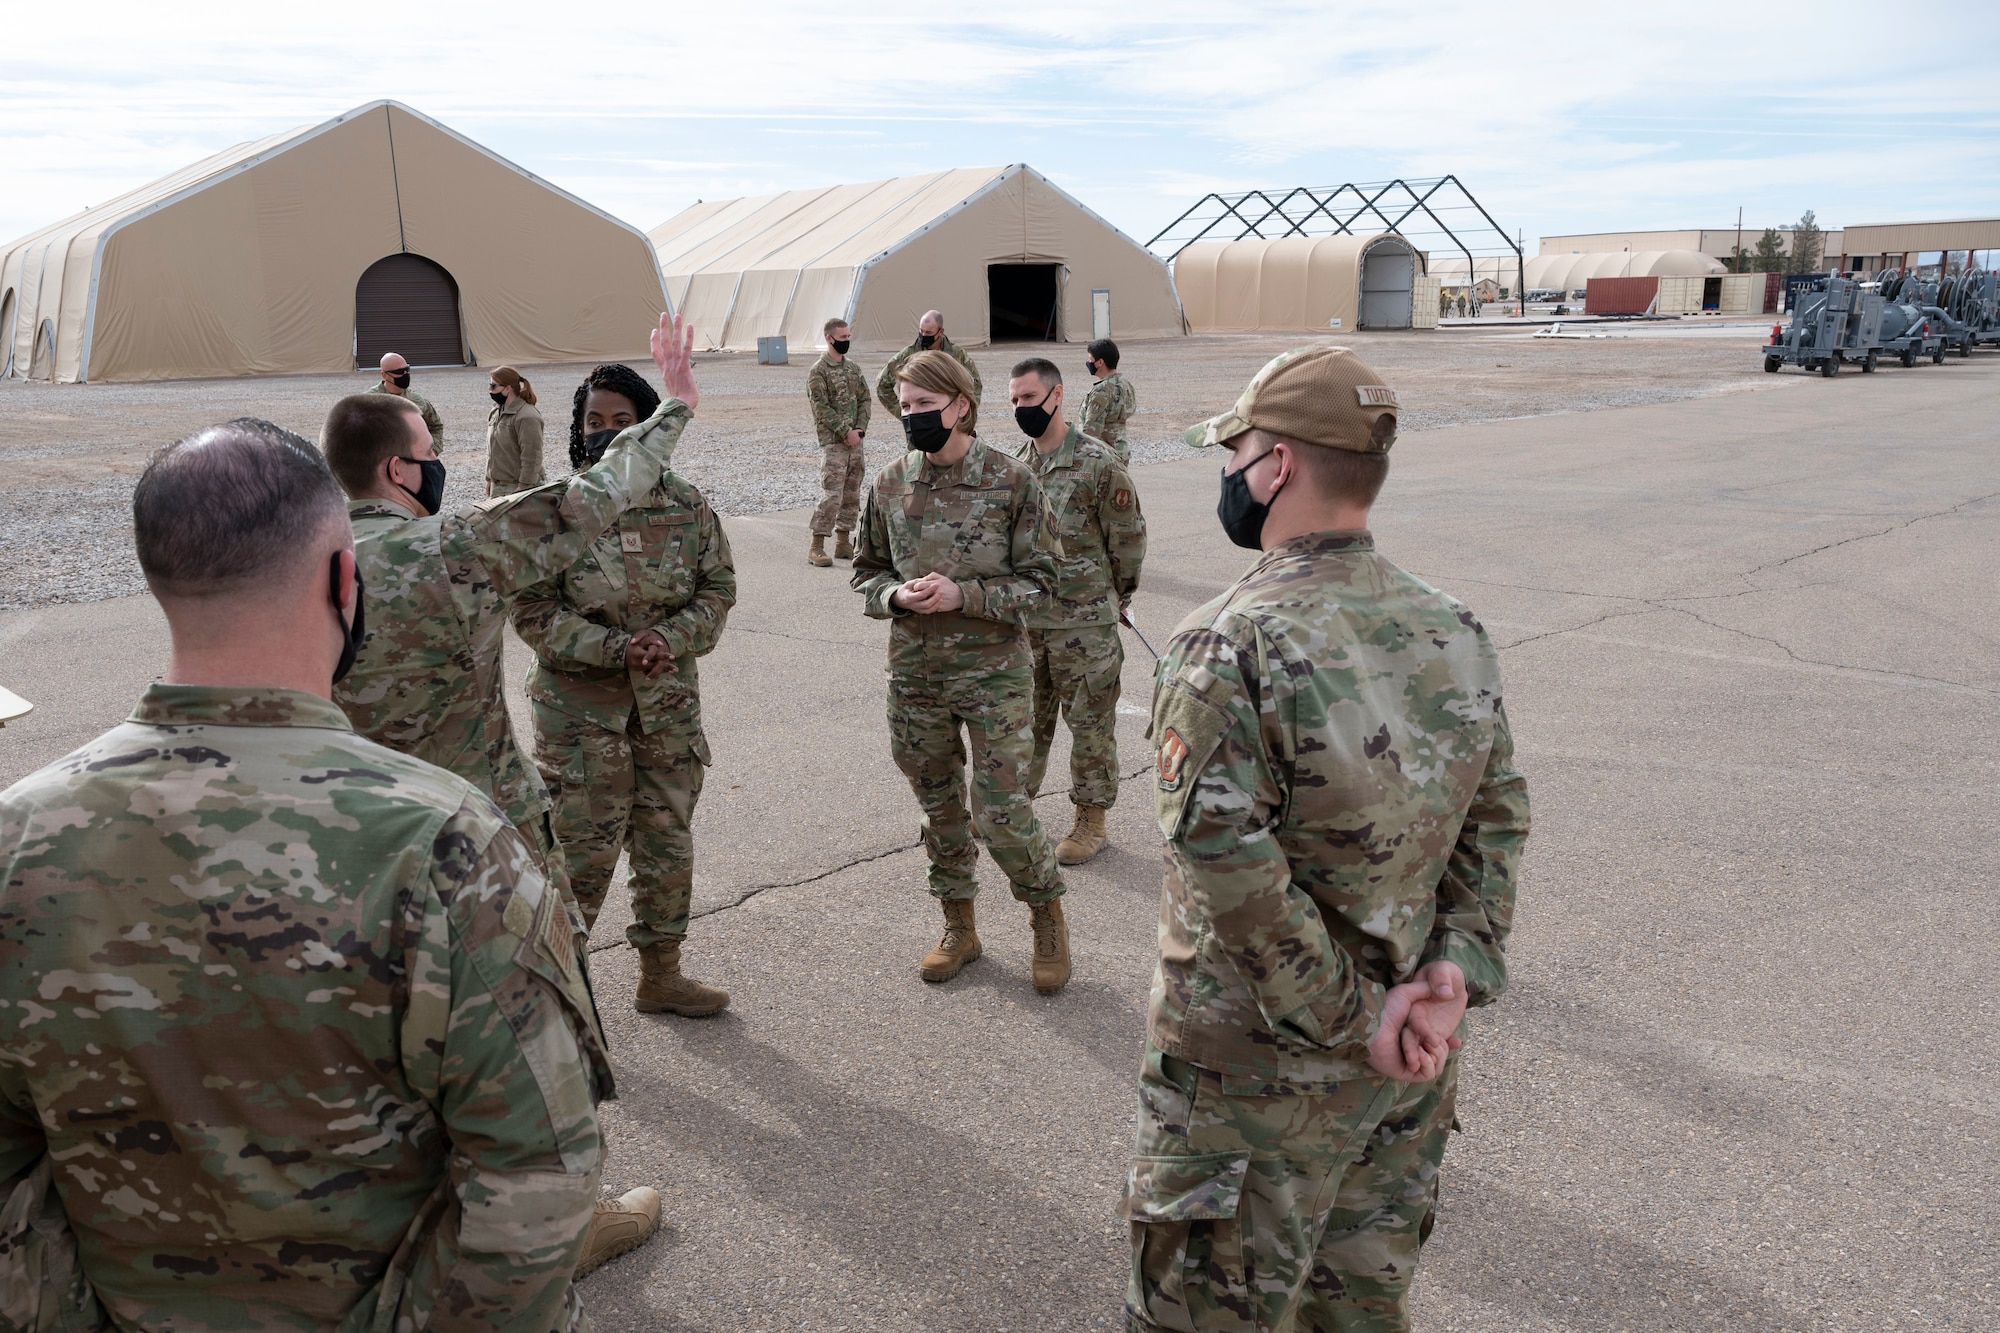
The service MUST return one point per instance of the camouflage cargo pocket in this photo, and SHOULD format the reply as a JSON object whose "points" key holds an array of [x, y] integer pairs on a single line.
{"points": [[1187, 1243]]}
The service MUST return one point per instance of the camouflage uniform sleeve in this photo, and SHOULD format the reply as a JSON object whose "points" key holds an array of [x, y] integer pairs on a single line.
{"points": [[875, 576], [695, 627], [528, 451], [862, 408], [1216, 727], [494, 1038], [532, 535], [966, 361], [561, 637], [1475, 896], [885, 387], [1094, 411], [1032, 546], [825, 411], [1124, 529], [436, 424]]}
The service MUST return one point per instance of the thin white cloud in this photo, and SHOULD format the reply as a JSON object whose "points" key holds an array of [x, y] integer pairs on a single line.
{"points": [[1562, 116]]}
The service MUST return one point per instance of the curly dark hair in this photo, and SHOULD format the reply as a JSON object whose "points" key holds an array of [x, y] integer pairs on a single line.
{"points": [[612, 379]]}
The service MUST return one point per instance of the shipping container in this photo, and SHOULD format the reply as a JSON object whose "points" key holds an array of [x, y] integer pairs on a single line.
{"points": [[1620, 296]]}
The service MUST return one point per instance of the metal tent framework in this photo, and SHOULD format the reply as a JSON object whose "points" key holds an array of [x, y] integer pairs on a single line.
{"points": [[1434, 214]]}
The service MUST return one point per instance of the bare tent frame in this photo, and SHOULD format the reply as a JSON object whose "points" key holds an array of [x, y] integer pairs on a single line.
{"points": [[1309, 210]]}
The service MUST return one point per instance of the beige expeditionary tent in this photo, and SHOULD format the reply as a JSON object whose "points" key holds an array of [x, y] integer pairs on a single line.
{"points": [[1000, 251], [1300, 283], [320, 248]]}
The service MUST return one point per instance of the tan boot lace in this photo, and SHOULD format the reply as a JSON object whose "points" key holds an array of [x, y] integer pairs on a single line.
{"points": [[1045, 932]]}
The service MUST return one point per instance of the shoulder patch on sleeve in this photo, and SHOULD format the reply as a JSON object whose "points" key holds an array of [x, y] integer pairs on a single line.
{"points": [[1121, 498], [1187, 728]]}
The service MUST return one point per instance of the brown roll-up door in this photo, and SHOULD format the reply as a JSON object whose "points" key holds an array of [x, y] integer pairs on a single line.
{"points": [[407, 305]]}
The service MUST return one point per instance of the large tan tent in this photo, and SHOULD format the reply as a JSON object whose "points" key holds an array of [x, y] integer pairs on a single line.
{"points": [[312, 250], [1298, 282], [1000, 251]]}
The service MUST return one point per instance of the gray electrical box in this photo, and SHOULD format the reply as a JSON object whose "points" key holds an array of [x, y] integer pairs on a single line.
{"points": [[771, 351]]}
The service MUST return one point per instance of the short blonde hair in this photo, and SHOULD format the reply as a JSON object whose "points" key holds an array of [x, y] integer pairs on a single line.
{"points": [[941, 372], [826, 329]]}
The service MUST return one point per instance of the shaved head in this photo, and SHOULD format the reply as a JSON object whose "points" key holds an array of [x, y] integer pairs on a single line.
{"points": [[932, 322], [393, 361], [232, 508]]}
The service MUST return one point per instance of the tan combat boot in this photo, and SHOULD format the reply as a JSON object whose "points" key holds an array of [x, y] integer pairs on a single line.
{"points": [[817, 554], [1050, 971], [955, 948], [620, 1226], [843, 549], [662, 988], [1086, 839]]}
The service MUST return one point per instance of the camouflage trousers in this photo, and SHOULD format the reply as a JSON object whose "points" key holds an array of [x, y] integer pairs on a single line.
{"points": [[1259, 1206], [841, 472], [996, 714], [1077, 676], [625, 791]]}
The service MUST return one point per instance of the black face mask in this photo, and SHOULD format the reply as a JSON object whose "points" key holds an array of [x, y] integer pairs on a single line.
{"points": [[926, 431], [840, 345], [499, 398], [1242, 516], [1034, 420], [595, 443], [927, 341], [429, 494], [401, 379], [355, 632]]}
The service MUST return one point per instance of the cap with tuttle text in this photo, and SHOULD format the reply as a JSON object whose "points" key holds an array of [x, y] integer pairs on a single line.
{"points": [[1311, 395]]}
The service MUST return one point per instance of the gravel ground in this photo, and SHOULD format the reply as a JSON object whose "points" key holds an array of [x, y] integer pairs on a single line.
{"points": [[69, 453]]}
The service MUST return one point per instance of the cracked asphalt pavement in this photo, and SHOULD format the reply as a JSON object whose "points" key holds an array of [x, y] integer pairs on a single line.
{"points": [[1745, 1077]]}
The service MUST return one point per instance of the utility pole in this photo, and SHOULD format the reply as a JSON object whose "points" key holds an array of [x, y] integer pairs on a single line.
{"points": [[1738, 265]]}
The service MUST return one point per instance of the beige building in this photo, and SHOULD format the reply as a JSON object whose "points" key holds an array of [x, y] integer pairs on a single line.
{"points": [[1001, 251], [1718, 243], [1906, 245], [322, 248]]}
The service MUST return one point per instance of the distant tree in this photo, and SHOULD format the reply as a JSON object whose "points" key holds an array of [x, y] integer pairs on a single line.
{"points": [[1770, 253], [1807, 242]]}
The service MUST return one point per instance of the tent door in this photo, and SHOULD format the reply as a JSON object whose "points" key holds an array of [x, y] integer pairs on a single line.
{"points": [[407, 305], [1022, 303], [1100, 313], [7, 333], [1387, 279]]}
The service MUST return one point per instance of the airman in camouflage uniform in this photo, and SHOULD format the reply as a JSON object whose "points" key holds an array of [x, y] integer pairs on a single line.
{"points": [[622, 748], [427, 679], [292, 1032], [1112, 400], [930, 337], [839, 396], [1335, 782], [395, 382], [1074, 640], [957, 551]]}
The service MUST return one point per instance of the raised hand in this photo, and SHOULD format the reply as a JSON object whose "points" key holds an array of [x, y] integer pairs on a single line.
{"points": [[673, 353]]}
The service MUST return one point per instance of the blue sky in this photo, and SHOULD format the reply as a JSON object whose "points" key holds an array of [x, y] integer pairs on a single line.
{"points": [[1560, 117]]}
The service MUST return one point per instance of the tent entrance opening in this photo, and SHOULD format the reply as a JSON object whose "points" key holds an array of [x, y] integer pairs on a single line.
{"points": [[7, 332], [1388, 279], [407, 305], [1021, 302]]}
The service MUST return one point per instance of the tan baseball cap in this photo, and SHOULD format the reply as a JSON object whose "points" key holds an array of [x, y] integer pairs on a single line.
{"points": [[1313, 395]]}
